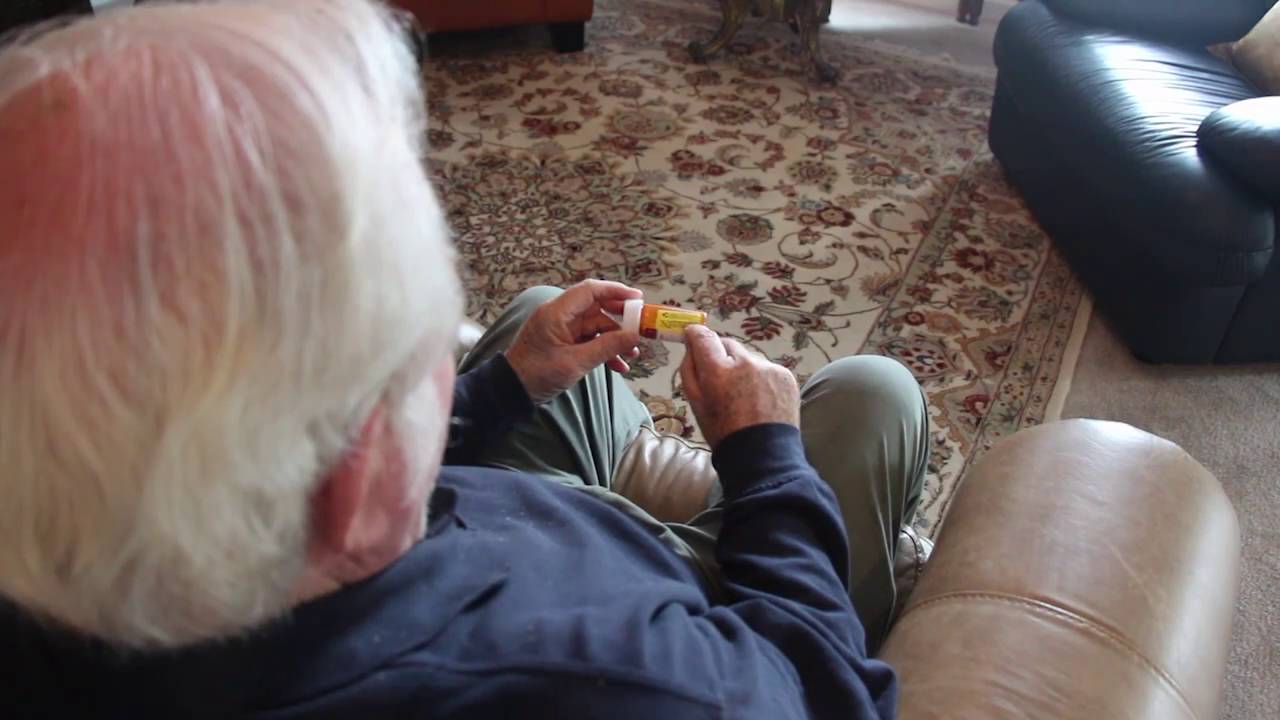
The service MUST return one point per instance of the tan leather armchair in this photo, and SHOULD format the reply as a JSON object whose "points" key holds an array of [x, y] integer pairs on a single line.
{"points": [[566, 18], [1085, 570]]}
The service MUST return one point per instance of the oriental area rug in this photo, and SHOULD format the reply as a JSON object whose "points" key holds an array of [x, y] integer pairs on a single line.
{"points": [[810, 221]]}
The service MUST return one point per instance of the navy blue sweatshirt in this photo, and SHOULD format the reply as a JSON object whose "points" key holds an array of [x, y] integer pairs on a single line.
{"points": [[527, 599]]}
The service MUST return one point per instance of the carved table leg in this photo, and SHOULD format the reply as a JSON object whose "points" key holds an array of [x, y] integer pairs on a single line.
{"points": [[809, 18], [734, 12]]}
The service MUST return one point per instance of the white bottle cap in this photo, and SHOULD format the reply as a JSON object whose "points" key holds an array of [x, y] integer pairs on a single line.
{"points": [[631, 315]]}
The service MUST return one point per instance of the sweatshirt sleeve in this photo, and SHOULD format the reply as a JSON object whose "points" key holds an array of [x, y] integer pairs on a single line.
{"points": [[488, 401], [784, 559]]}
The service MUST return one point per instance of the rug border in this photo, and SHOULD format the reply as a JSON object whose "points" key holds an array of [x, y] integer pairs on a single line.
{"points": [[1070, 359]]}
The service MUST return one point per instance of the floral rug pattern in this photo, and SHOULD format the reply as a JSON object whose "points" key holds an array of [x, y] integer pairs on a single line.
{"points": [[811, 221]]}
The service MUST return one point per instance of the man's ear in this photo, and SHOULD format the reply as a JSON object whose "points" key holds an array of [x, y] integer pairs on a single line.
{"points": [[339, 502]]}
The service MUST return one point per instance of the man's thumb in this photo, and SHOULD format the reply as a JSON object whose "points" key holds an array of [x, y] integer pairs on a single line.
{"points": [[704, 346]]}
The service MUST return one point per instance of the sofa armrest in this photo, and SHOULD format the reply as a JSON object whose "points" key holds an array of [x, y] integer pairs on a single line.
{"points": [[1085, 569], [1201, 22], [1244, 137]]}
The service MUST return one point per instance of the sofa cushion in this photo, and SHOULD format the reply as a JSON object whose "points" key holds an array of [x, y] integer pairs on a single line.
{"points": [[1258, 54], [1124, 112]]}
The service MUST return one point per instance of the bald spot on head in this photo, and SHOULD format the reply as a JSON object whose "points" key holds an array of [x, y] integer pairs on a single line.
{"points": [[116, 156], [41, 181], [83, 160]]}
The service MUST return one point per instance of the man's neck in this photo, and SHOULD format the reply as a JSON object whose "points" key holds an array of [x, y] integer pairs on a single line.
{"points": [[327, 573]]}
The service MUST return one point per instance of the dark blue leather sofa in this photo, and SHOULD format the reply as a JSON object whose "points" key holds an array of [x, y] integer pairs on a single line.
{"points": [[1153, 165]]}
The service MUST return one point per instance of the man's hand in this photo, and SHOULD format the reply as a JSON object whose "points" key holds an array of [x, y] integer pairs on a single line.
{"points": [[730, 387], [570, 336]]}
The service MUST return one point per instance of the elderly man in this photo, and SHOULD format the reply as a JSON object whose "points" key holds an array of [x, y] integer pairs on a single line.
{"points": [[238, 476]]}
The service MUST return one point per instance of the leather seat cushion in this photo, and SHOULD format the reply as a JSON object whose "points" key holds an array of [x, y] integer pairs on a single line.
{"points": [[1124, 112], [673, 480]]}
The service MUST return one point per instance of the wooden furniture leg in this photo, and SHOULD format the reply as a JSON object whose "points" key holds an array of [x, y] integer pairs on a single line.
{"points": [[568, 37], [732, 14], [970, 11]]}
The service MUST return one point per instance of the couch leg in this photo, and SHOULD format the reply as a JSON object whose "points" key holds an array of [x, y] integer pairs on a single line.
{"points": [[568, 37]]}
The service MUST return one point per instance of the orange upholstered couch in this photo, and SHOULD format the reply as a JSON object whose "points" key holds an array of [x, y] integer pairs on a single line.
{"points": [[566, 18]]}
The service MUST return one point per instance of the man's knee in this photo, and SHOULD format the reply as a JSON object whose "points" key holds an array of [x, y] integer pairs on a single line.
{"points": [[867, 387], [527, 301], [535, 296], [503, 332]]}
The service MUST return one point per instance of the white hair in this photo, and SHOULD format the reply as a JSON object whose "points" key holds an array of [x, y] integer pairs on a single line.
{"points": [[197, 319]]}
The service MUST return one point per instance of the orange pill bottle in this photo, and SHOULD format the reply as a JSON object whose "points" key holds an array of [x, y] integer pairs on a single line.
{"points": [[659, 322]]}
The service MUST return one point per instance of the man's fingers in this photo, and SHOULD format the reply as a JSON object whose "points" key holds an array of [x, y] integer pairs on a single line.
{"points": [[689, 379], [737, 350], [605, 347], [607, 294], [618, 365], [611, 295], [704, 346], [593, 324]]}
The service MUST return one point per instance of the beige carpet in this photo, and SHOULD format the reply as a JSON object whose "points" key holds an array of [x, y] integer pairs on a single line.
{"points": [[810, 221], [1229, 420]]}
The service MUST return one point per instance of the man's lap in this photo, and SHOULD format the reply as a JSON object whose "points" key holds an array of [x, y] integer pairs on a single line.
{"points": [[865, 430], [579, 436]]}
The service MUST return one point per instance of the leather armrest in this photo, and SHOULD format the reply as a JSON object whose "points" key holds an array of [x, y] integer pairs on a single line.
{"points": [[1202, 22], [1084, 570], [1244, 137]]}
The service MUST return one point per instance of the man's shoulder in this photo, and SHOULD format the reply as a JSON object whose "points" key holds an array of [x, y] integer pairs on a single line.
{"points": [[538, 691], [478, 481], [480, 477], [485, 491]]}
